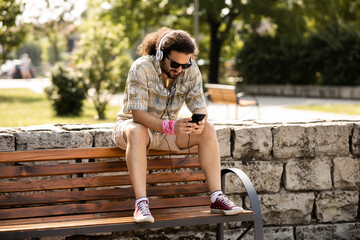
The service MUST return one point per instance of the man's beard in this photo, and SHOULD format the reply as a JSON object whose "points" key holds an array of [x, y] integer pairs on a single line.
{"points": [[170, 76], [168, 73]]}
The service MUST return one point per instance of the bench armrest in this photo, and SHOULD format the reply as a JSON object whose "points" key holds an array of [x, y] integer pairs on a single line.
{"points": [[254, 200], [242, 94]]}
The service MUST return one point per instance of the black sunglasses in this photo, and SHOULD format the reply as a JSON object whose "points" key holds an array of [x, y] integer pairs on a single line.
{"points": [[174, 64]]}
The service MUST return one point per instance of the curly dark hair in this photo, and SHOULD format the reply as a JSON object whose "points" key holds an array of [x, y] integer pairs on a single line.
{"points": [[177, 40]]}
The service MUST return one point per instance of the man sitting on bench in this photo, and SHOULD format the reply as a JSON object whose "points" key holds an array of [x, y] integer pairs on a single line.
{"points": [[158, 84]]}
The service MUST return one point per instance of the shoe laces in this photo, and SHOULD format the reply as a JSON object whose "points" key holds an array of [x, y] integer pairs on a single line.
{"points": [[143, 208], [223, 199]]}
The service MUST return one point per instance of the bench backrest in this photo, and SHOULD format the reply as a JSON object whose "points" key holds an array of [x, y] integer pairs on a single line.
{"points": [[221, 93], [94, 180]]}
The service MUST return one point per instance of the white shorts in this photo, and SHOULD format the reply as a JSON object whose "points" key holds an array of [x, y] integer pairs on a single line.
{"points": [[158, 140]]}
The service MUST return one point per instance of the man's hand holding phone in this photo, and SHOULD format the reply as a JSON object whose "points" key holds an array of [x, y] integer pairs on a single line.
{"points": [[193, 125]]}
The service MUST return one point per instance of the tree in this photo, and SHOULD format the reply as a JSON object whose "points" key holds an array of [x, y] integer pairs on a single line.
{"points": [[10, 34], [52, 19], [218, 22], [322, 12], [103, 60]]}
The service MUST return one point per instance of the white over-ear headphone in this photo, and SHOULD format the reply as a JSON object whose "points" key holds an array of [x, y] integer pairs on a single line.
{"points": [[159, 53]]}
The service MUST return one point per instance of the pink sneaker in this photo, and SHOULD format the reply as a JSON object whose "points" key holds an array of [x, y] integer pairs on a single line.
{"points": [[142, 212], [223, 205]]}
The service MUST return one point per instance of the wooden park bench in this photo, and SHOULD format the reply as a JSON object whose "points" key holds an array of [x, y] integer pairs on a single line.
{"points": [[227, 94], [63, 192]]}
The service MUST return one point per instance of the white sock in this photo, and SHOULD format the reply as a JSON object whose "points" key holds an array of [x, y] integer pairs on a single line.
{"points": [[140, 199], [215, 194]]}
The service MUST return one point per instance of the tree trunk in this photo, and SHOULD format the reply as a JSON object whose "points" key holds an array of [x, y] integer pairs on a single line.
{"points": [[100, 109], [215, 48], [55, 48]]}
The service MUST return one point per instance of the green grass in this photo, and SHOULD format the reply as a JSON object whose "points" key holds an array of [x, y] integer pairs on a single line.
{"points": [[344, 109], [23, 107]]}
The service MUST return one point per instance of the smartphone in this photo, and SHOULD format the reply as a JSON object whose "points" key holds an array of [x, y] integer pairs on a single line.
{"points": [[197, 117]]}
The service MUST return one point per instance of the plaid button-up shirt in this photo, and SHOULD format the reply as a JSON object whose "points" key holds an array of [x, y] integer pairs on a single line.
{"points": [[145, 90]]}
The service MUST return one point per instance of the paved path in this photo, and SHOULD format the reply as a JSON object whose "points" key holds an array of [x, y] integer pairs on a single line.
{"points": [[35, 84], [272, 109]]}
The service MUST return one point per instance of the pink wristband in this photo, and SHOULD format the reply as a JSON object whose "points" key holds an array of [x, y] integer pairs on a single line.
{"points": [[168, 127]]}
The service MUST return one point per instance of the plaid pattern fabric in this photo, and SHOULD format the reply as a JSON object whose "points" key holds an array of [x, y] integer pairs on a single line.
{"points": [[145, 91]]}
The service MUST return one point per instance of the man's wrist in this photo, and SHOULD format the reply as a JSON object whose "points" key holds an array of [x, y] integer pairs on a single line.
{"points": [[168, 127]]}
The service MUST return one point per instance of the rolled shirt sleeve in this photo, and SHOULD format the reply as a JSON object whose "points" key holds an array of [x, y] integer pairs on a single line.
{"points": [[195, 97]]}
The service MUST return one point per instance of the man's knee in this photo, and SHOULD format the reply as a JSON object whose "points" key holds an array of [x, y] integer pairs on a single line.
{"points": [[136, 133], [209, 131]]}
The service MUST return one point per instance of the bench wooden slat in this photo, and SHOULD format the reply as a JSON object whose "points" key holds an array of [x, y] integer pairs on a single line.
{"points": [[86, 182], [160, 215], [96, 167], [40, 199], [75, 153], [99, 207], [91, 195]]}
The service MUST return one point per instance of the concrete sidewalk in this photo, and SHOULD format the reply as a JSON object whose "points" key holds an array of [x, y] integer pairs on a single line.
{"points": [[272, 109], [275, 110]]}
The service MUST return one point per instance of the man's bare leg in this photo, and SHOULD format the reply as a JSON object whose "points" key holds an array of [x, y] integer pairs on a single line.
{"points": [[137, 139], [209, 154]]}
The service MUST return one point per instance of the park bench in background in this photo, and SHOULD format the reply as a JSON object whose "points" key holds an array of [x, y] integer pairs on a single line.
{"points": [[80, 191], [227, 94]]}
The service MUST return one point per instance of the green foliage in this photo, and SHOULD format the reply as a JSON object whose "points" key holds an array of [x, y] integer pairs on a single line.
{"points": [[104, 62], [267, 60], [66, 93], [324, 12], [10, 34], [55, 28], [316, 42], [335, 53]]}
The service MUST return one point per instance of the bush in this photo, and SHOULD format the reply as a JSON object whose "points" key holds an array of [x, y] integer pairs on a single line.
{"points": [[66, 93], [330, 56], [268, 60], [336, 54]]}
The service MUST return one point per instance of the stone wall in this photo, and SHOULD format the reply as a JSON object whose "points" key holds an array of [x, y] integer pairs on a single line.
{"points": [[307, 175]]}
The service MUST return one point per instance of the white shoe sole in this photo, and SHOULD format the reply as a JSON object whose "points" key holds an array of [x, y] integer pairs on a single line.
{"points": [[228, 212], [145, 219]]}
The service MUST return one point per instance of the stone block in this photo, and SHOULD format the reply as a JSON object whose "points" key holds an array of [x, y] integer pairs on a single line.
{"points": [[278, 233], [328, 139], [265, 176], [7, 142], [223, 134], [286, 208], [346, 173], [293, 141], [355, 146], [337, 206], [332, 139], [102, 138], [41, 128], [50, 140], [254, 142], [81, 127], [312, 174], [344, 231]]}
